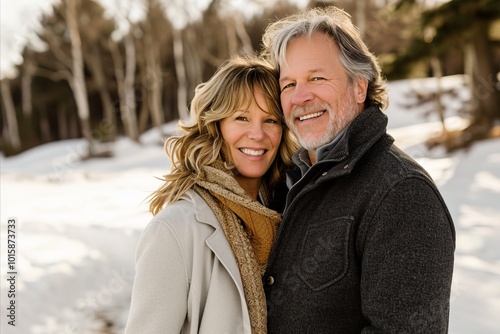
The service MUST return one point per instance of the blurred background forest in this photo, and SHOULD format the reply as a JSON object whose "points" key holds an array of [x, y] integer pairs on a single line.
{"points": [[100, 69]]}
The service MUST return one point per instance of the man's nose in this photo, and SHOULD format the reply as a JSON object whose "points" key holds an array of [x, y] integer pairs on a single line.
{"points": [[301, 94]]}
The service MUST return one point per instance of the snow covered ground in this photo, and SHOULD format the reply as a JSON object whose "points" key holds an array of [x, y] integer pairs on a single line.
{"points": [[78, 222]]}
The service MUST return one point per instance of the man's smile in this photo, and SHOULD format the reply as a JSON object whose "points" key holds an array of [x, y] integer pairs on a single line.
{"points": [[309, 116]]}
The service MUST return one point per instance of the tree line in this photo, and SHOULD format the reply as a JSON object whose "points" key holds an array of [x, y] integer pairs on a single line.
{"points": [[95, 83]]}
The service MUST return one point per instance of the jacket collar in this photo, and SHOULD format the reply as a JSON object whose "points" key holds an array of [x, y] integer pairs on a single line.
{"points": [[361, 134]]}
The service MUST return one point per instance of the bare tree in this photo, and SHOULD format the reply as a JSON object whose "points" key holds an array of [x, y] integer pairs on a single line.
{"points": [[438, 74], [361, 16], [12, 129], [153, 79], [77, 80], [484, 94], [241, 32], [29, 69], [194, 71], [125, 78], [156, 33], [238, 39], [180, 71], [125, 61], [93, 60]]}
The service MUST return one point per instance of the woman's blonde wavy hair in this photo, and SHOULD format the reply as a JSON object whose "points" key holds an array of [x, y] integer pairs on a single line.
{"points": [[201, 143]]}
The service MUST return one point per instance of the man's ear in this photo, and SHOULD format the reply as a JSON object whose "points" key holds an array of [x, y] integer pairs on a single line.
{"points": [[360, 90]]}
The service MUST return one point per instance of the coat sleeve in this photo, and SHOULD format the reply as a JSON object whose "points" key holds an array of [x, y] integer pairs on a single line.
{"points": [[160, 291], [407, 262]]}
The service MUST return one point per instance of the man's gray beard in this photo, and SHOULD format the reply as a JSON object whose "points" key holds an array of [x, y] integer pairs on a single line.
{"points": [[313, 143], [335, 125]]}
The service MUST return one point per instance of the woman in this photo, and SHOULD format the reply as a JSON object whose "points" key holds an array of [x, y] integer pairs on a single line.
{"points": [[200, 260]]}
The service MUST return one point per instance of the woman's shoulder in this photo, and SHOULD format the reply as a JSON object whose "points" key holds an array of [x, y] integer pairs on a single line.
{"points": [[186, 214], [186, 205]]}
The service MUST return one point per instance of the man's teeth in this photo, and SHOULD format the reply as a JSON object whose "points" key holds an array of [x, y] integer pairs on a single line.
{"points": [[316, 114], [252, 152]]}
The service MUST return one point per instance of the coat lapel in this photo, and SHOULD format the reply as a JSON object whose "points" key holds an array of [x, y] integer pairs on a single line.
{"points": [[217, 242]]}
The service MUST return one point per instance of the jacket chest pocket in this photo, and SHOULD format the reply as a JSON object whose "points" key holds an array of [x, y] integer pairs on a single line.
{"points": [[325, 252]]}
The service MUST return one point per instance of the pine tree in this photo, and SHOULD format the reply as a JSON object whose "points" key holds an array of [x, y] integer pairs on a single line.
{"points": [[463, 24]]}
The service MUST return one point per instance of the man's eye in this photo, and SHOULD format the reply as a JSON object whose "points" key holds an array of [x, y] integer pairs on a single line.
{"points": [[287, 86], [317, 79]]}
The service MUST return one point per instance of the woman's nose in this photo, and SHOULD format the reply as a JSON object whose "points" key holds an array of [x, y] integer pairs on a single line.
{"points": [[256, 131]]}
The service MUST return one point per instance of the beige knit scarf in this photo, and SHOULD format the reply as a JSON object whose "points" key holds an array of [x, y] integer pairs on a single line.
{"points": [[250, 229]]}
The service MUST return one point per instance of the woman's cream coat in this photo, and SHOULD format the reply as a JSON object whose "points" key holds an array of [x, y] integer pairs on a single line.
{"points": [[187, 279]]}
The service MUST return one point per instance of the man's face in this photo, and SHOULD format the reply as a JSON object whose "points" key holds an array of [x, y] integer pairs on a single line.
{"points": [[317, 97]]}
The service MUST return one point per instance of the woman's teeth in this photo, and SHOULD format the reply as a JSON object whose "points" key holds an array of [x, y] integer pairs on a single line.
{"points": [[252, 152]]}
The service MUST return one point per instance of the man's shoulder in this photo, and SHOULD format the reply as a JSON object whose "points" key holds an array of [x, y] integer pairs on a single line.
{"points": [[391, 165]]}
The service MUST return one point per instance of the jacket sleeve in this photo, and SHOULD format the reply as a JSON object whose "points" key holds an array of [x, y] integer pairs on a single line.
{"points": [[407, 261], [160, 291]]}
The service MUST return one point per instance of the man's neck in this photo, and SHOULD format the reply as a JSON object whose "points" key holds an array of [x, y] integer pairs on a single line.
{"points": [[312, 156]]}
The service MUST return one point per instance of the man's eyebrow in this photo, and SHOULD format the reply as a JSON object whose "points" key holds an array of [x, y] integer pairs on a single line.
{"points": [[283, 79], [309, 72]]}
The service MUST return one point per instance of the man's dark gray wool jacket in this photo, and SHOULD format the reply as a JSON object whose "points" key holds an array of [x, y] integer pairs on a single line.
{"points": [[366, 244]]}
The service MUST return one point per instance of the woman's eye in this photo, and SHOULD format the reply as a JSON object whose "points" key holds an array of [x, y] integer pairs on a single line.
{"points": [[317, 79], [271, 120], [241, 118]]}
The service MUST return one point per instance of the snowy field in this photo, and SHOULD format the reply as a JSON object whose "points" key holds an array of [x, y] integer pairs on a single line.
{"points": [[78, 222]]}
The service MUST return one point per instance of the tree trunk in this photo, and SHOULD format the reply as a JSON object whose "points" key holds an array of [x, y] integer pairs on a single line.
{"points": [[62, 121], [469, 55], [129, 91], [231, 38], [361, 16], [194, 70], [144, 117], [180, 72], [44, 123], [484, 94], [74, 126], [28, 70], [478, 66], [153, 81], [77, 81], [10, 113], [106, 133], [246, 41], [125, 79], [438, 74]]}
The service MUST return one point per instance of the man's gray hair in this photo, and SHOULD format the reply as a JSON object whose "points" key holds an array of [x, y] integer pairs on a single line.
{"points": [[355, 57]]}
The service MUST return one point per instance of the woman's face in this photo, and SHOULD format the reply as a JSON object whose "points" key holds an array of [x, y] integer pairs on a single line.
{"points": [[253, 138]]}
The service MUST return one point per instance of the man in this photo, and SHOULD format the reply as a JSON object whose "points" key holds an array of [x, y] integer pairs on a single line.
{"points": [[366, 244]]}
